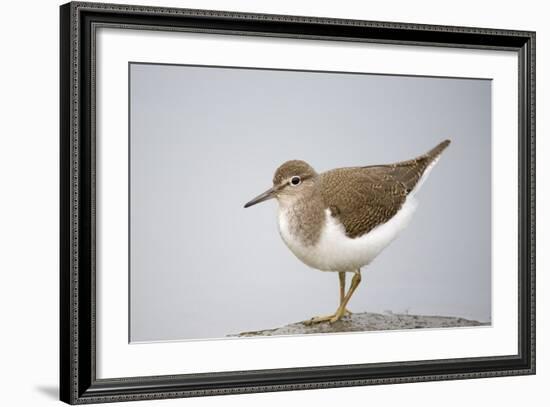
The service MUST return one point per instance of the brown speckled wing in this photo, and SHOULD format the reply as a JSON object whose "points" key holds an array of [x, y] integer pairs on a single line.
{"points": [[365, 197], [362, 198]]}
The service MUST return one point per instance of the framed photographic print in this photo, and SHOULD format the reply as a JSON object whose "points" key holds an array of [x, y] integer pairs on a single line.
{"points": [[255, 203]]}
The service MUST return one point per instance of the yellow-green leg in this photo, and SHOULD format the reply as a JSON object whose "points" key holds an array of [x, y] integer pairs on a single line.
{"points": [[341, 311], [344, 299], [342, 278]]}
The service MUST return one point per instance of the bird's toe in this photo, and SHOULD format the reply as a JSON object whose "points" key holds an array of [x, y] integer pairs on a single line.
{"points": [[318, 320]]}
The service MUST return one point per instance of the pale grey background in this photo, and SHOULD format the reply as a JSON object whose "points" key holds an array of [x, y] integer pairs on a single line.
{"points": [[206, 140]]}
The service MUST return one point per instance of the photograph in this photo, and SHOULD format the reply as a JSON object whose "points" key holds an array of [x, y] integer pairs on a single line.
{"points": [[256, 202], [375, 213]]}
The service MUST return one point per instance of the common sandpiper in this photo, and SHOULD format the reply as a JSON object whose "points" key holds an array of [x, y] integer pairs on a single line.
{"points": [[341, 219]]}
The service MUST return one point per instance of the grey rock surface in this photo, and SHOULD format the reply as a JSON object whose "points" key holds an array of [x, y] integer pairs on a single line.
{"points": [[368, 321]]}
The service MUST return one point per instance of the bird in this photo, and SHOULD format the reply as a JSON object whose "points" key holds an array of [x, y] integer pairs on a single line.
{"points": [[342, 219]]}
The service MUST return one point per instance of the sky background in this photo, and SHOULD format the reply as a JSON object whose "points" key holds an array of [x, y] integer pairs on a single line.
{"points": [[203, 141]]}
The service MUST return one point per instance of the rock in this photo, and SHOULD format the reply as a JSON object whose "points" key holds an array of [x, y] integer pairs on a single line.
{"points": [[368, 321]]}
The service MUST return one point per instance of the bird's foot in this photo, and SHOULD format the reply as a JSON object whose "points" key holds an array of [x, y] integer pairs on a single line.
{"points": [[328, 318], [318, 320], [338, 315]]}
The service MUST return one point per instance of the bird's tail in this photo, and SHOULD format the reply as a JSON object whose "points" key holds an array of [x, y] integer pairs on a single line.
{"points": [[424, 164], [413, 173], [437, 150]]}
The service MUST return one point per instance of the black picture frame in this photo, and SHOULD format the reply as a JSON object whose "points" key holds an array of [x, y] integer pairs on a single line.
{"points": [[78, 382]]}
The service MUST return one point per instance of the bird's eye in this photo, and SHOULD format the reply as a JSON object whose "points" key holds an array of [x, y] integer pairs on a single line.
{"points": [[295, 181]]}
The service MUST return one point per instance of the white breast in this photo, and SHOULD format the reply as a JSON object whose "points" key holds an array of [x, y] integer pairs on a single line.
{"points": [[337, 252]]}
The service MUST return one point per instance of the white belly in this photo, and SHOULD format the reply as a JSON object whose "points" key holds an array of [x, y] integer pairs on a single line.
{"points": [[337, 252]]}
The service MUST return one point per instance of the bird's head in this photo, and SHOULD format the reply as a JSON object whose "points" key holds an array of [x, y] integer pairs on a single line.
{"points": [[291, 180]]}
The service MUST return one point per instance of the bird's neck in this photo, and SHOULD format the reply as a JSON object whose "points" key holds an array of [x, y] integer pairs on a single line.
{"points": [[305, 217]]}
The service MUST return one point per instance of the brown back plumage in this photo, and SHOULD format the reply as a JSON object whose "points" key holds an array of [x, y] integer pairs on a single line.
{"points": [[365, 197]]}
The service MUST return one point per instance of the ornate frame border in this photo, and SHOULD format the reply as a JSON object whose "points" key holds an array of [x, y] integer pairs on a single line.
{"points": [[78, 382]]}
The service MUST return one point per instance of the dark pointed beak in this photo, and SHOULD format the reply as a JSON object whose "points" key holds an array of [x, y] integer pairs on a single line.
{"points": [[270, 193]]}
